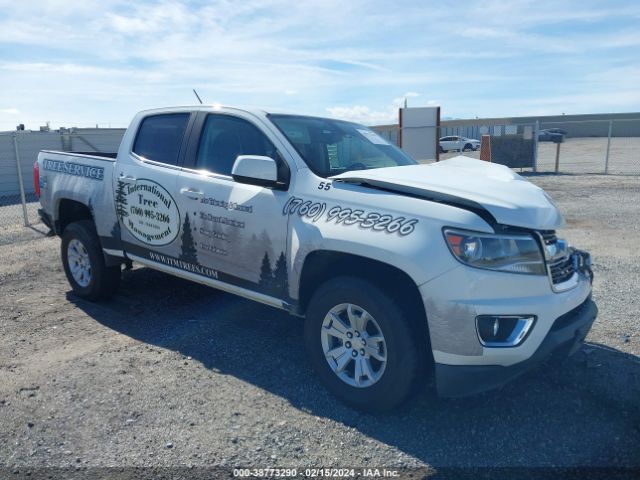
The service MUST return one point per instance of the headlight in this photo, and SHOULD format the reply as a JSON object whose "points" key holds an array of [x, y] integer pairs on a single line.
{"points": [[505, 253]]}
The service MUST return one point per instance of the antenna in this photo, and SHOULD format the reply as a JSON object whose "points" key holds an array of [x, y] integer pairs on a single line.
{"points": [[197, 96]]}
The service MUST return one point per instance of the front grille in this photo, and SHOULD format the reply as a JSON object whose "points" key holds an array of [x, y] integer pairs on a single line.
{"points": [[549, 236], [560, 263], [561, 270]]}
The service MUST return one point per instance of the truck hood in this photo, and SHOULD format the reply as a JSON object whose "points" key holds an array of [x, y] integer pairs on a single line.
{"points": [[476, 185]]}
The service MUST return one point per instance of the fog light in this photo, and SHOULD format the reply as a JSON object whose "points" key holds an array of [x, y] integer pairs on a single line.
{"points": [[503, 330]]}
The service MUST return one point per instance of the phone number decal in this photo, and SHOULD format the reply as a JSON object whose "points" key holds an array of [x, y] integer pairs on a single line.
{"points": [[377, 222]]}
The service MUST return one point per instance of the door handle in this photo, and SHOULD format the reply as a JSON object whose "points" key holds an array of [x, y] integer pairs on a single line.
{"points": [[192, 193], [127, 178]]}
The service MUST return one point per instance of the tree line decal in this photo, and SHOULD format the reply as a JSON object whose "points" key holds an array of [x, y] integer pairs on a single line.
{"points": [[252, 256], [188, 251], [121, 208], [275, 281], [121, 201]]}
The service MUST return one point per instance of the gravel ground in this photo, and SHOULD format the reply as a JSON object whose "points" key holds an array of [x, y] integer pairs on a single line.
{"points": [[11, 215], [173, 373]]}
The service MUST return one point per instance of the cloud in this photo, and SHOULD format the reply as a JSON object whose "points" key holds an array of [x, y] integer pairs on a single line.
{"points": [[399, 101], [368, 116], [105, 60], [363, 114], [10, 111]]}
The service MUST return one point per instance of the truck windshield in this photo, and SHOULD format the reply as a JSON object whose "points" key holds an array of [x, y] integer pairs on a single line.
{"points": [[330, 147]]}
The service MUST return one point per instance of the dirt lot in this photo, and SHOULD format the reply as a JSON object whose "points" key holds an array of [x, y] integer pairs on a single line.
{"points": [[172, 373]]}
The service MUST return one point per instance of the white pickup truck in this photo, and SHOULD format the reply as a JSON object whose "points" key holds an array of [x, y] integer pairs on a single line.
{"points": [[398, 268]]}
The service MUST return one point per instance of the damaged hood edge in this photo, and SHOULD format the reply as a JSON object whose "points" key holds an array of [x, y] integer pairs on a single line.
{"points": [[470, 184]]}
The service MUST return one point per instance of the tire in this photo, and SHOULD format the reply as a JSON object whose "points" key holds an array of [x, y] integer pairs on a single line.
{"points": [[468, 146], [442, 150], [84, 265], [396, 379]]}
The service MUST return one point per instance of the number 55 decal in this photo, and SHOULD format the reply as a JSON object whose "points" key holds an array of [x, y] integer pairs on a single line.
{"points": [[324, 186]]}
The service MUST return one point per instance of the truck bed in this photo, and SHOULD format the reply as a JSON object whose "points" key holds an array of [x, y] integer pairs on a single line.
{"points": [[85, 178]]}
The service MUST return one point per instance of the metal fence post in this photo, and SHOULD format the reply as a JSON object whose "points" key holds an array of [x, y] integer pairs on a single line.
{"points": [[558, 157], [535, 146], [22, 196], [606, 159]]}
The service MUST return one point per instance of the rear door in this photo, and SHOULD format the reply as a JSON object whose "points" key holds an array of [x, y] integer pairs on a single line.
{"points": [[145, 188], [231, 231]]}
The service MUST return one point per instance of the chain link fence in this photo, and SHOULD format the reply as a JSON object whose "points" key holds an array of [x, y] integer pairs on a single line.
{"points": [[609, 146], [591, 147], [18, 153]]}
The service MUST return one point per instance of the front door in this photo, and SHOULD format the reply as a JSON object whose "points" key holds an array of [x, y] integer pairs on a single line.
{"points": [[235, 231]]}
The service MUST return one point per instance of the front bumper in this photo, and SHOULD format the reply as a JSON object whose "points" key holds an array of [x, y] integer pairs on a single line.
{"points": [[564, 338]]}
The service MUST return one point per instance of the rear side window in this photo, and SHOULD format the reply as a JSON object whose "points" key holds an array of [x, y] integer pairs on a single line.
{"points": [[160, 137]]}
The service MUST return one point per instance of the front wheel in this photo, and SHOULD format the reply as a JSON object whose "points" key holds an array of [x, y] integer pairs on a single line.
{"points": [[84, 264], [360, 344]]}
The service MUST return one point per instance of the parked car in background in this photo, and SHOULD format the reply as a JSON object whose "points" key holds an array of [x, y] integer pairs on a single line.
{"points": [[456, 143], [556, 130], [548, 135]]}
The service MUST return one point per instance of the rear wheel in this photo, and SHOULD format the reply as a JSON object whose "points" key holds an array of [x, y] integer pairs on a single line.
{"points": [[468, 146], [360, 344], [84, 264]]}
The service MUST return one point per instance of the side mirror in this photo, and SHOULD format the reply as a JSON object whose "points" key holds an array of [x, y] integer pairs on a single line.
{"points": [[256, 170]]}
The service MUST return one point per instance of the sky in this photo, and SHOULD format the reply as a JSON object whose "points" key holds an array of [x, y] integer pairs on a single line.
{"points": [[98, 62]]}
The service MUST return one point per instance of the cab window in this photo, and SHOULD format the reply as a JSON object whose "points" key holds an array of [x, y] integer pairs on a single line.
{"points": [[160, 137], [224, 138]]}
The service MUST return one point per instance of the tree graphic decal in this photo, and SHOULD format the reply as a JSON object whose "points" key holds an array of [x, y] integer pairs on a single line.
{"points": [[252, 251], [188, 251], [265, 244], [121, 200], [280, 277], [274, 281], [266, 275], [115, 231]]}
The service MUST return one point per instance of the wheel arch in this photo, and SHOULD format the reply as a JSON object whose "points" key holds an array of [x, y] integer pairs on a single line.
{"points": [[69, 211], [322, 265]]}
